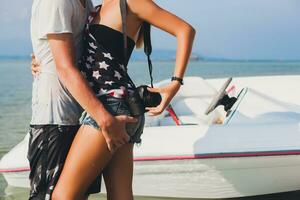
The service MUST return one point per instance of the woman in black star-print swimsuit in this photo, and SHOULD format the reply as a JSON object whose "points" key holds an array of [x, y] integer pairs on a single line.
{"points": [[105, 68]]}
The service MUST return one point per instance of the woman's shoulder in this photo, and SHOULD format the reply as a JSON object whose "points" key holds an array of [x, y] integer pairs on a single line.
{"points": [[139, 5]]}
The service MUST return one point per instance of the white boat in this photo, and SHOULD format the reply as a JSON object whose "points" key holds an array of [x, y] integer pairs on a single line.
{"points": [[254, 149]]}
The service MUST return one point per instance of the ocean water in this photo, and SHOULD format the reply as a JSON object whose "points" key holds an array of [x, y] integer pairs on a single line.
{"points": [[15, 101]]}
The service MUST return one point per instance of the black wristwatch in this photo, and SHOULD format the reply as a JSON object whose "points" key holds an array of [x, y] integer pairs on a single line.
{"points": [[175, 78]]}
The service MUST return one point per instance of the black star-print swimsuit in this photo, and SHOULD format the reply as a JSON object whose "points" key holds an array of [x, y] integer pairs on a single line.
{"points": [[104, 66], [103, 63]]}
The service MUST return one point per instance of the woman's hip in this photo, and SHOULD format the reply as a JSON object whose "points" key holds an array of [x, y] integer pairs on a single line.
{"points": [[118, 106]]}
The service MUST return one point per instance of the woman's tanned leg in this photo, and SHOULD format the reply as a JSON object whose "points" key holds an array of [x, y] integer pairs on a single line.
{"points": [[118, 174], [87, 158]]}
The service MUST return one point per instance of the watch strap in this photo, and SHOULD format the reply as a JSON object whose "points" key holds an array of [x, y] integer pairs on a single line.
{"points": [[175, 78]]}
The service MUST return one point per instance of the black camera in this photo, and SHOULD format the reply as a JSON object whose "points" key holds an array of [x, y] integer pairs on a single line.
{"points": [[142, 98]]}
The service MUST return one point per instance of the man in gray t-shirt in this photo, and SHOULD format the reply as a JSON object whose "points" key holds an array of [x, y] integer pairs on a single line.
{"points": [[49, 95], [56, 32]]}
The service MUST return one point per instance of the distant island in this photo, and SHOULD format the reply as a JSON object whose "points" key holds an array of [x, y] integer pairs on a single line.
{"points": [[163, 56], [170, 55]]}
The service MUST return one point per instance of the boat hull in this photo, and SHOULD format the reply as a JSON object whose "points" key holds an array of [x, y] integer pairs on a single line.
{"points": [[17, 179], [218, 177], [207, 177]]}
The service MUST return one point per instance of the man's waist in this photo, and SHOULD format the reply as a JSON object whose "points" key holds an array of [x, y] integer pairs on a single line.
{"points": [[56, 116]]}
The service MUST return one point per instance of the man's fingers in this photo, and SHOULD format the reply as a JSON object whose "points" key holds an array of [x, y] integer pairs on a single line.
{"points": [[117, 146], [110, 147], [126, 118], [34, 64], [130, 119], [32, 56], [120, 143], [113, 146], [34, 72], [34, 68], [127, 138]]}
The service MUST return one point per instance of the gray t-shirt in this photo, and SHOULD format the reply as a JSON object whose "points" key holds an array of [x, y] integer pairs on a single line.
{"points": [[51, 101]]}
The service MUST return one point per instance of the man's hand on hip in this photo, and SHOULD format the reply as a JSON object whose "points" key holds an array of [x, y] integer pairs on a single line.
{"points": [[114, 130]]}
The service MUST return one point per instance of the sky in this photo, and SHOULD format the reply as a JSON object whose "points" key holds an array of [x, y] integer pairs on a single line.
{"points": [[235, 29]]}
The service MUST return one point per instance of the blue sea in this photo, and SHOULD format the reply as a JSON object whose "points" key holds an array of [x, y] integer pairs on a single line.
{"points": [[15, 100]]}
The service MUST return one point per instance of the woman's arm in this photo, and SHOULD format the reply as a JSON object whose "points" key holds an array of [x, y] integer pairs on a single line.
{"points": [[148, 11]]}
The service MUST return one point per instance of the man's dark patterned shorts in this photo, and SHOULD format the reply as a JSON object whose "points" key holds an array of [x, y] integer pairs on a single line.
{"points": [[48, 149]]}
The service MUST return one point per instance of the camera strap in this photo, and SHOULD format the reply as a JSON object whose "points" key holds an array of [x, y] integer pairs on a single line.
{"points": [[146, 28]]}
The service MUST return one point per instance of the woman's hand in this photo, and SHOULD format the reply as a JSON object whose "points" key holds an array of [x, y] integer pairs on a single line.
{"points": [[167, 92], [35, 65]]}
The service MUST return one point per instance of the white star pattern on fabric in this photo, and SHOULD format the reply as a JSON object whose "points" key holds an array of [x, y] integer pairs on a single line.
{"points": [[122, 67], [90, 59], [118, 75], [91, 36], [103, 65], [90, 19], [102, 91], [107, 55], [108, 82], [88, 66], [93, 45], [47, 197], [96, 74], [90, 51], [56, 169]]}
